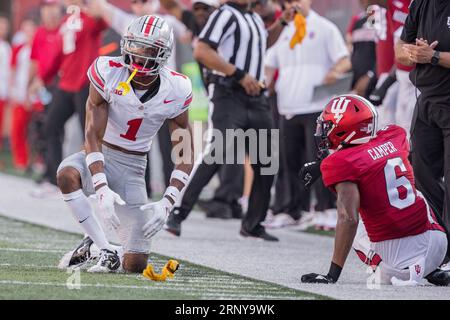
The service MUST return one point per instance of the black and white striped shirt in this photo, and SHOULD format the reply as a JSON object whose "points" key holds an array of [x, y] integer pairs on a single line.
{"points": [[239, 37]]}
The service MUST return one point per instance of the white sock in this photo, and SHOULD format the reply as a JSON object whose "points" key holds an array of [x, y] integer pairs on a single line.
{"points": [[83, 213]]}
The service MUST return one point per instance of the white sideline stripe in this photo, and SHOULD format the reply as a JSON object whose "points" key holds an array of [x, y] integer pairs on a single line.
{"points": [[210, 293], [193, 283], [27, 266], [33, 250]]}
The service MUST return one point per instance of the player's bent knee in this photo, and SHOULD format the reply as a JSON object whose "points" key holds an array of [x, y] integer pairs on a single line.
{"points": [[135, 262], [68, 180]]}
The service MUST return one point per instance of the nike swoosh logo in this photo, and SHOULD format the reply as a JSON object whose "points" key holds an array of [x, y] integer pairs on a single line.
{"points": [[168, 101], [83, 220]]}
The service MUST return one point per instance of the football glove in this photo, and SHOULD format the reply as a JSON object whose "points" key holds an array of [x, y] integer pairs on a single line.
{"points": [[317, 278], [310, 173], [160, 213], [106, 201], [379, 93]]}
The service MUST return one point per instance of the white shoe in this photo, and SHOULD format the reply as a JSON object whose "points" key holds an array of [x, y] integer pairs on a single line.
{"points": [[319, 220], [306, 221], [45, 190], [108, 262], [330, 220], [281, 220], [269, 217]]}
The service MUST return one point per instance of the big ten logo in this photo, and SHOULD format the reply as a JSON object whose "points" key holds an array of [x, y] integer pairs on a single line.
{"points": [[374, 280], [69, 31], [118, 92], [74, 280]]}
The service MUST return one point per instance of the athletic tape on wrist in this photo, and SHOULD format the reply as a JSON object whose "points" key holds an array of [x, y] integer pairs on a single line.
{"points": [[99, 179], [180, 176], [94, 157], [173, 193]]}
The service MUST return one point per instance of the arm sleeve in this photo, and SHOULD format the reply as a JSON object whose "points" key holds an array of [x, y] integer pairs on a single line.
{"points": [[336, 169], [120, 19], [410, 29], [219, 23], [336, 46]]}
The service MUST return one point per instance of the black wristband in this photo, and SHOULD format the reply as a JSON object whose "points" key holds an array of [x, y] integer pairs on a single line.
{"points": [[238, 75], [335, 272]]}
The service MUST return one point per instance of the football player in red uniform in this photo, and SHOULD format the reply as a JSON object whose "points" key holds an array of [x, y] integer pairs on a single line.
{"points": [[370, 172]]}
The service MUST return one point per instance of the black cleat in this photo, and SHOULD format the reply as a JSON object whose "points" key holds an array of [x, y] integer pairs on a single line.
{"points": [[109, 261], [439, 278], [77, 257], [173, 225], [216, 209], [262, 235]]}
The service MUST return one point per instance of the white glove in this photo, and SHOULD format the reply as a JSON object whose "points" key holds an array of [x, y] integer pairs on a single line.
{"points": [[106, 200], [160, 213]]}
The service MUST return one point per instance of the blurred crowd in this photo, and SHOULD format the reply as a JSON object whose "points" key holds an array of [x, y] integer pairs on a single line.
{"points": [[44, 83]]}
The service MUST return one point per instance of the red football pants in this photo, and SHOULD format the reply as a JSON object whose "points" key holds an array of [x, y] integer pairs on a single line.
{"points": [[19, 130]]}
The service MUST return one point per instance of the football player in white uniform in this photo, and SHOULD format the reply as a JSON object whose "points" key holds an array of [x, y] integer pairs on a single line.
{"points": [[120, 127]]}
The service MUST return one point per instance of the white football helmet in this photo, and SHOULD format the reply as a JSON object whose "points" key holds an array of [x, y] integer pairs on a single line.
{"points": [[147, 45]]}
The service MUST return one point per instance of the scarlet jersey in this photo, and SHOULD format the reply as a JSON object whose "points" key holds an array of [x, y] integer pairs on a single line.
{"points": [[390, 206], [385, 42], [132, 124], [79, 42], [397, 11]]}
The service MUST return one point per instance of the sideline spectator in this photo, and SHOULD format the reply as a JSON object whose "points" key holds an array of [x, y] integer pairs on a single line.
{"points": [[78, 44], [21, 108], [361, 37], [42, 82], [5, 58], [426, 41], [321, 58]]}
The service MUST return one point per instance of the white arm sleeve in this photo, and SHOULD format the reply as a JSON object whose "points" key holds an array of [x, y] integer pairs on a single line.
{"points": [[120, 20]]}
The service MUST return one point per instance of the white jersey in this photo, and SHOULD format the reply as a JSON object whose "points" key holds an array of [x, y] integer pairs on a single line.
{"points": [[21, 66], [5, 60], [132, 124]]}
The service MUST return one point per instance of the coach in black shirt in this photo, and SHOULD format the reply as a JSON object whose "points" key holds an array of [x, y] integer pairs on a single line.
{"points": [[233, 45], [426, 41]]}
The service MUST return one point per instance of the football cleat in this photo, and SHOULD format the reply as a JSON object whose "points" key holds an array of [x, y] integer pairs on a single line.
{"points": [[109, 261], [439, 278], [78, 257]]}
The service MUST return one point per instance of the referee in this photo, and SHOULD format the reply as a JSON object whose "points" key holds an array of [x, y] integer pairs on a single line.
{"points": [[233, 44], [426, 41]]}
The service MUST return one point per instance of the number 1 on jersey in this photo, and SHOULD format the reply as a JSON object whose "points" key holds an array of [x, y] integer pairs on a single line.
{"points": [[133, 128]]}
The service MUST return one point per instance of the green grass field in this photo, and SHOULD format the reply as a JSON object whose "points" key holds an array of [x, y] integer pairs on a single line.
{"points": [[29, 255]]}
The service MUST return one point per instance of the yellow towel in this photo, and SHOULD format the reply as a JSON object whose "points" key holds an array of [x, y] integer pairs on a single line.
{"points": [[167, 272], [300, 30]]}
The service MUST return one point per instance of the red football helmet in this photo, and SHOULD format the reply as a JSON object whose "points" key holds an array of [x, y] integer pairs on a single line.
{"points": [[347, 120]]}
